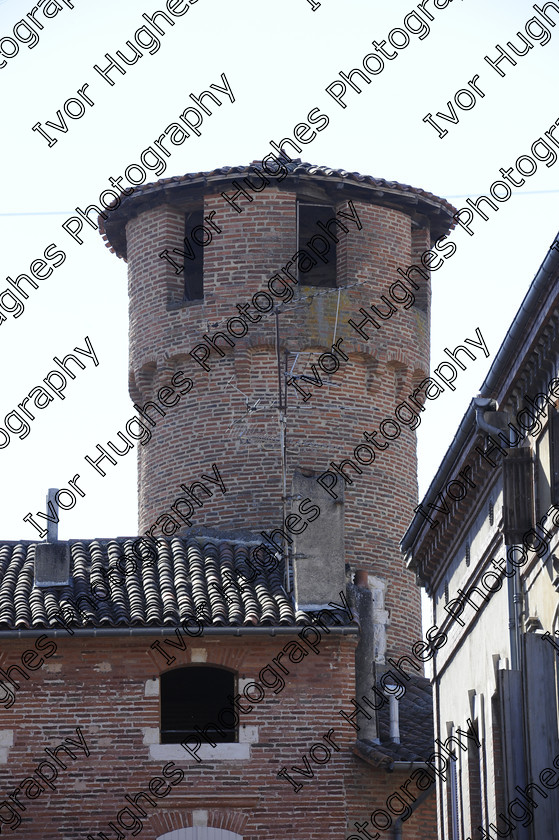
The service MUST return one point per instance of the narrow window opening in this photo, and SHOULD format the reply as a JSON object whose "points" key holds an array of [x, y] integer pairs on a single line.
{"points": [[474, 780], [452, 793], [323, 273], [554, 454], [194, 255], [518, 494]]}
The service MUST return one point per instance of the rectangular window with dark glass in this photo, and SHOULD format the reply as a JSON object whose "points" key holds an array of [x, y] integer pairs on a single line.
{"points": [[554, 454], [195, 697], [518, 494], [311, 221], [194, 256], [543, 472]]}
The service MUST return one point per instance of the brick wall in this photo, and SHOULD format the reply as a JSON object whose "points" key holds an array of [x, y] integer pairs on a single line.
{"points": [[369, 790], [100, 685]]}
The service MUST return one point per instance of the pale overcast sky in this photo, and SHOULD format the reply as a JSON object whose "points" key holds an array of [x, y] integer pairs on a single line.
{"points": [[278, 60]]}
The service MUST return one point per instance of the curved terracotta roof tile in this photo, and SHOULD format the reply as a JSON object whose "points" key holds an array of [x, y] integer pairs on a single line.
{"points": [[189, 579]]}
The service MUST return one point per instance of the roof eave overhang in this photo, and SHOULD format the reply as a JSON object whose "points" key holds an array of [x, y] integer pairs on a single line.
{"points": [[282, 630], [413, 202]]}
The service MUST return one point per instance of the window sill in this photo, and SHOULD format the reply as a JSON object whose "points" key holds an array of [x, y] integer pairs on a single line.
{"points": [[221, 752], [183, 304]]}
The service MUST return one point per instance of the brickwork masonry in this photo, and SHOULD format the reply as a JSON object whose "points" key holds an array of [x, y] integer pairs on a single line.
{"points": [[263, 303], [406, 414], [32, 786]]}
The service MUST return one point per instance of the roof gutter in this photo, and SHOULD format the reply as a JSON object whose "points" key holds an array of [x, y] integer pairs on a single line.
{"points": [[516, 332], [452, 453], [408, 765], [513, 338], [388, 765], [163, 631]]}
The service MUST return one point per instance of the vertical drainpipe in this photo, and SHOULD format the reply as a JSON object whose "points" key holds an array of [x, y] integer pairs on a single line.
{"points": [[436, 716], [394, 718], [515, 600]]}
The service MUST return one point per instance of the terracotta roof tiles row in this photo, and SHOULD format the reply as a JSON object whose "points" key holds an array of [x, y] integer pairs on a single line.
{"points": [[189, 577]]}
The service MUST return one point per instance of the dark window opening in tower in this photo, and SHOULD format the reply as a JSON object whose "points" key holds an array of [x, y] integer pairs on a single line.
{"points": [[194, 268], [197, 696], [308, 216]]}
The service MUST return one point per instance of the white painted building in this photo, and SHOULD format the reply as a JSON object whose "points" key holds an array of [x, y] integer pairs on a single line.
{"points": [[485, 545]]}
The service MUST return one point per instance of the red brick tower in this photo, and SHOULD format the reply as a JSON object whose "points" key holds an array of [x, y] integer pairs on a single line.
{"points": [[246, 238]]}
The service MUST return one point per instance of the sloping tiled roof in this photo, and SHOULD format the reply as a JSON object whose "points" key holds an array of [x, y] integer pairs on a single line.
{"points": [[416, 728], [438, 209], [159, 592]]}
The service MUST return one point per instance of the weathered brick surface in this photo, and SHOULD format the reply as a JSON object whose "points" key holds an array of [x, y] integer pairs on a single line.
{"points": [[99, 685], [380, 374]]}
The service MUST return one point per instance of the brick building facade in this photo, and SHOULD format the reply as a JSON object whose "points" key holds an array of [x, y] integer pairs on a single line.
{"points": [[261, 398]]}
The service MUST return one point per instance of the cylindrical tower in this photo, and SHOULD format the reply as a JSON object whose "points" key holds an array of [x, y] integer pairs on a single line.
{"points": [[317, 245]]}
